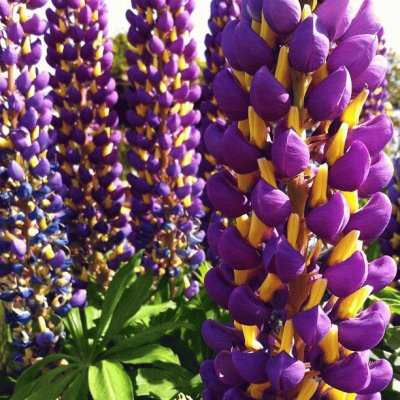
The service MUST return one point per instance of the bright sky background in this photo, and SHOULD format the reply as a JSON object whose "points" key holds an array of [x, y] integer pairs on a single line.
{"points": [[388, 9]]}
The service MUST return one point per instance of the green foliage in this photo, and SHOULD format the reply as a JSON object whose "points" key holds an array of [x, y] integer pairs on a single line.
{"points": [[119, 351], [391, 297]]}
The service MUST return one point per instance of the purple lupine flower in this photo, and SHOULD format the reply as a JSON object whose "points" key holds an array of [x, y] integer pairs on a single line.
{"points": [[222, 13], [87, 139], [35, 277], [297, 159], [162, 140]]}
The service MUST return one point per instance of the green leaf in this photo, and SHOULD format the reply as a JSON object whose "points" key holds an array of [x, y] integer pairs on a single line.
{"points": [[123, 277], [151, 310], [391, 297], [56, 378], [164, 381], [146, 336], [78, 388], [28, 378], [54, 388], [108, 380], [201, 272], [148, 354], [129, 305]]}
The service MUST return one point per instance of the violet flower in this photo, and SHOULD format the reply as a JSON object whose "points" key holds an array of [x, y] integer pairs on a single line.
{"points": [[35, 280], [165, 192], [87, 139], [299, 160]]}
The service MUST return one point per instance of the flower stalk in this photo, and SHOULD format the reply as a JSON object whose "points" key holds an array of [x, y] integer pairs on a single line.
{"points": [[300, 160]]}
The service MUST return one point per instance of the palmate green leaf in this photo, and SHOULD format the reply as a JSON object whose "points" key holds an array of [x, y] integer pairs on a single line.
{"points": [[151, 310], [29, 378], [108, 380], [123, 277], [55, 380], [390, 296], [164, 381], [148, 335], [129, 305], [78, 388], [147, 354]]}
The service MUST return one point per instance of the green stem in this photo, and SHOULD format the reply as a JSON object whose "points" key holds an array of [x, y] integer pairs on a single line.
{"points": [[4, 353]]}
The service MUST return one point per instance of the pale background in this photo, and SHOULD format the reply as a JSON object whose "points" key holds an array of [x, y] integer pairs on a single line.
{"points": [[389, 11]]}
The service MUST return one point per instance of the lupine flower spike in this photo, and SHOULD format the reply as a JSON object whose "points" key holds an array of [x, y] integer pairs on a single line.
{"points": [[87, 139], [293, 274], [35, 283], [222, 13], [162, 141]]}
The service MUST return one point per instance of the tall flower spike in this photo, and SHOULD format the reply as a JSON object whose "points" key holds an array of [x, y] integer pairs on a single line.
{"points": [[165, 192], [222, 13], [87, 141], [299, 159], [35, 280]]}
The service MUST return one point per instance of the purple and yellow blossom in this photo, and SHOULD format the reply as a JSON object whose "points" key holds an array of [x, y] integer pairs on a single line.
{"points": [[300, 162], [35, 279], [165, 192], [85, 123]]}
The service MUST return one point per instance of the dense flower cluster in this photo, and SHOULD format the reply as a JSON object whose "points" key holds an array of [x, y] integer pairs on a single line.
{"points": [[87, 145], [221, 13], [162, 141], [390, 243], [34, 280], [293, 274], [375, 103]]}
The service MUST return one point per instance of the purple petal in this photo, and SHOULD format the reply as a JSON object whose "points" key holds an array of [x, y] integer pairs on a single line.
{"points": [[289, 263], [269, 98], [226, 370], [224, 195], [328, 220], [363, 333], [232, 99], [351, 374], [337, 16], [284, 371], [381, 376], [246, 308], [312, 325], [373, 76], [236, 251], [228, 44], [331, 96], [290, 155], [339, 283], [375, 133], [357, 158], [365, 22], [251, 58], [210, 378], [282, 16], [213, 141], [355, 53], [372, 219], [251, 366], [309, 46], [379, 175], [220, 337], [271, 205], [381, 272], [238, 153], [218, 287]]}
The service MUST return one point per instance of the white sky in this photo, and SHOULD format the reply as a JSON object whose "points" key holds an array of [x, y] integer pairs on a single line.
{"points": [[389, 11]]}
